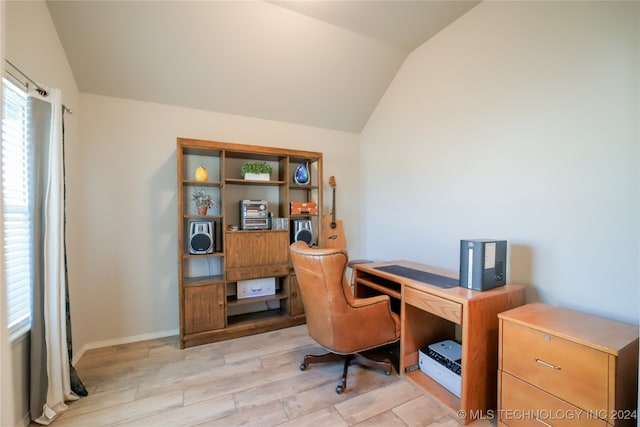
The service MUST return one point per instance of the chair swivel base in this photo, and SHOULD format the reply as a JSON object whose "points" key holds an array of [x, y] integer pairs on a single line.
{"points": [[358, 358]]}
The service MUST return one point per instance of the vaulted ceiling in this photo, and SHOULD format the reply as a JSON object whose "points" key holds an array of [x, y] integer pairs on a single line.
{"points": [[320, 63]]}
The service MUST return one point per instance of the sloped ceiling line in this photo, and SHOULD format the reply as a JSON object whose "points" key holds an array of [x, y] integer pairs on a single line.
{"points": [[317, 63]]}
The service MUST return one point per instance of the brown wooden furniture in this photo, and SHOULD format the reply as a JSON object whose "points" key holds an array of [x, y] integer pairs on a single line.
{"points": [[430, 314], [207, 283], [344, 325], [560, 367]]}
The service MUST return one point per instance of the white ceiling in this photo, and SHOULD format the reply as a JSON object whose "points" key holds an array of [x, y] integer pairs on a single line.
{"points": [[320, 63]]}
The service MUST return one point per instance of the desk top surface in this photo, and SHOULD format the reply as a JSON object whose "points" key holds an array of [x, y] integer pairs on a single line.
{"points": [[455, 293]]}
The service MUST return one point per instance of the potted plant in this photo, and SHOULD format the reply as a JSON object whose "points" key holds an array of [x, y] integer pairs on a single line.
{"points": [[203, 201], [260, 171]]}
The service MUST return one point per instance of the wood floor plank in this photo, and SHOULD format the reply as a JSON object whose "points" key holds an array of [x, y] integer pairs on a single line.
{"points": [[247, 381], [446, 422], [99, 401], [199, 413], [272, 342], [126, 413], [293, 356], [119, 374], [201, 380], [359, 381], [264, 416], [421, 411], [286, 387], [377, 401], [109, 358], [326, 417], [386, 419]]}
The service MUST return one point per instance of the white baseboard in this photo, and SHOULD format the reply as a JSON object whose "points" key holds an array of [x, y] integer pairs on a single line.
{"points": [[118, 341]]}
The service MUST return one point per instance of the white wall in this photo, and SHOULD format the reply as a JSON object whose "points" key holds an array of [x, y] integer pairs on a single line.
{"points": [[519, 122], [127, 268]]}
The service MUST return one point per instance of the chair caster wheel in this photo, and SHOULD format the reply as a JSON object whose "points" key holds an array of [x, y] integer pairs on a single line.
{"points": [[339, 389], [303, 366]]}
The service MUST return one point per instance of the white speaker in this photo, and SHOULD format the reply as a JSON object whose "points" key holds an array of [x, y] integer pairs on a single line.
{"points": [[201, 237], [302, 231]]}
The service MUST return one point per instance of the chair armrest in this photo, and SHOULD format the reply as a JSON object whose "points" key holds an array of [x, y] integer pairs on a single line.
{"points": [[379, 308], [363, 302], [369, 323]]}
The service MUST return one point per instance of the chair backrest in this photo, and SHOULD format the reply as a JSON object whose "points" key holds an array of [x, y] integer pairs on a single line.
{"points": [[326, 294]]}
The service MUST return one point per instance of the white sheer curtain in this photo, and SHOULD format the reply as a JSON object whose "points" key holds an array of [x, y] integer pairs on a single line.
{"points": [[6, 378], [50, 387]]}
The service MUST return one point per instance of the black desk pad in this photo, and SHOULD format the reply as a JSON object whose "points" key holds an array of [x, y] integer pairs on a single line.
{"points": [[420, 276]]}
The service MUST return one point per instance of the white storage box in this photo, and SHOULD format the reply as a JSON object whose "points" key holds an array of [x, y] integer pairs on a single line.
{"points": [[256, 287]]}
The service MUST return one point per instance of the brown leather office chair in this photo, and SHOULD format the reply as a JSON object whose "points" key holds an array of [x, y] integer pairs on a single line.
{"points": [[344, 325]]}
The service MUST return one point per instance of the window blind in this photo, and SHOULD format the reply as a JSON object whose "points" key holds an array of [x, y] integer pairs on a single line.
{"points": [[17, 222]]}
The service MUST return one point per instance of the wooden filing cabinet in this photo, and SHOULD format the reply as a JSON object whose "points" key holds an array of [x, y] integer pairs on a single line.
{"points": [[558, 367]]}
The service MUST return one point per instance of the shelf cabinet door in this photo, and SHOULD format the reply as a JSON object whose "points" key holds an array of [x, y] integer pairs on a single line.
{"points": [[251, 255], [251, 249], [204, 308]]}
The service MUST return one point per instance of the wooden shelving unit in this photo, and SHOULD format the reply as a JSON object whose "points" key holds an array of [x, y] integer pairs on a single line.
{"points": [[207, 283]]}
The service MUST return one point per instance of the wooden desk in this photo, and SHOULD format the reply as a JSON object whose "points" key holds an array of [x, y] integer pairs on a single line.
{"points": [[430, 314]]}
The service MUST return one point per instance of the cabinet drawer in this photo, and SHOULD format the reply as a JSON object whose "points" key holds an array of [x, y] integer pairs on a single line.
{"points": [[441, 307], [521, 404], [275, 270], [571, 371], [235, 274]]}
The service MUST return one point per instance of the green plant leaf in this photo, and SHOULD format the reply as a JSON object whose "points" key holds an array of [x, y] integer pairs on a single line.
{"points": [[256, 167]]}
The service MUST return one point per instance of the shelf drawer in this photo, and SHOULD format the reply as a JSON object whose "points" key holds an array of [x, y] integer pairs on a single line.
{"points": [[571, 371], [275, 270], [522, 404], [441, 307], [235, 274]]}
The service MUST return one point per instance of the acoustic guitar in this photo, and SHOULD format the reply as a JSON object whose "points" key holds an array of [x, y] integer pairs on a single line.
{"points": [[332, 232]]}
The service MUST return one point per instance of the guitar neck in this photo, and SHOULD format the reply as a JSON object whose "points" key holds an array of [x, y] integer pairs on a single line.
{"points": [[333, 209]]}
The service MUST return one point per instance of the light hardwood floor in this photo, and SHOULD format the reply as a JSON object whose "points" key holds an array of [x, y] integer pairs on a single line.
{"points": [[249, 381]]}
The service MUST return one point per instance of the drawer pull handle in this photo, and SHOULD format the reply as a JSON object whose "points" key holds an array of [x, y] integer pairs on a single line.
{"points": [[542, 422], [548, 365]]}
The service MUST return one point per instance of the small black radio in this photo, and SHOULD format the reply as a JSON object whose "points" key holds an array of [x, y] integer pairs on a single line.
{"points": [[254, 215]]}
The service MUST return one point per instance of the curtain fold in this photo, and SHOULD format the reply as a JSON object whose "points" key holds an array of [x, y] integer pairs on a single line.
{"points": [[50, 367], [77, 386]]}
